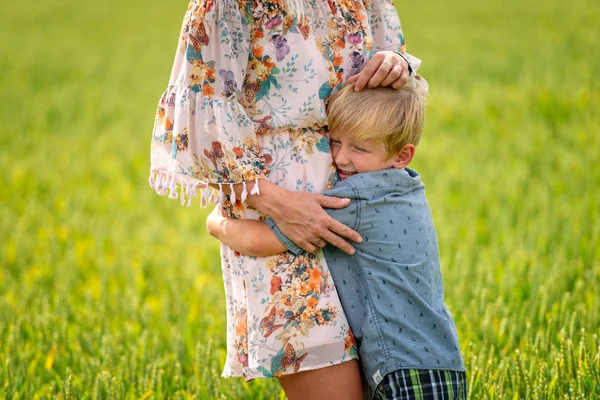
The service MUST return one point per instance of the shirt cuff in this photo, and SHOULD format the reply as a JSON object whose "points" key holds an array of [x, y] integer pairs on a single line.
{"points": [[291, 246], [411, 70]]}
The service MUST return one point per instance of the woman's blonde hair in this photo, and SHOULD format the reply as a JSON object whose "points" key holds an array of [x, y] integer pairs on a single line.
{"points": [[394, 116]]}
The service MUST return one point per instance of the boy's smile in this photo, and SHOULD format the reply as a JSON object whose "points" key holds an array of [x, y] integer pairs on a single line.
{"points": [[352, 156]]}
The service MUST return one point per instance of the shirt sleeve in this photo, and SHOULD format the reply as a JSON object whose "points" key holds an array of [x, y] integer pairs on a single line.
{"points": [[386, 29], [291, 246], [348, 215], [202, 134]]}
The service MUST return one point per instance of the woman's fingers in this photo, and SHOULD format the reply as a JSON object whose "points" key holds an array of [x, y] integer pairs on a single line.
{"points": [[394, 74], [328, 236], [381, 74], [352, 79], [320, 243], [342, 230], [368, 71], [308, 246], [385, 68], [333, 225], [331, 202], [338, 242], [402, 80]]}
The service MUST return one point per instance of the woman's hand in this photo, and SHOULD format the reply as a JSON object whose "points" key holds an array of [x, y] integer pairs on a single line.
{"points": [[385, 68], [300, 216]]}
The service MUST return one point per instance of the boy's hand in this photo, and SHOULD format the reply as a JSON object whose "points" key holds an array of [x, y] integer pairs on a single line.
{"points": [[385, 68]]}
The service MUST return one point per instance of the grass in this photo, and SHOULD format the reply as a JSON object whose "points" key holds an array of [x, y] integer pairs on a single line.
{"points": [[109, 291]]}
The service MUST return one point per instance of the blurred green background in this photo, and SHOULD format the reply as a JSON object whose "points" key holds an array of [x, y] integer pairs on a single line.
{"points": [[110, 291]]}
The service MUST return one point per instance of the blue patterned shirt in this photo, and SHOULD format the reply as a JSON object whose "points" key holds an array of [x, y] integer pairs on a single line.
{"points": [[391, 288]]}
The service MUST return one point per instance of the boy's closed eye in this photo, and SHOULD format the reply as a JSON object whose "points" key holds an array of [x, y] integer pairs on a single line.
{"points": [[336, 143]]}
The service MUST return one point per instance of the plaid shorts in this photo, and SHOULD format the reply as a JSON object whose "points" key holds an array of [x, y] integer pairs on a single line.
{"points": [[423, 385]]}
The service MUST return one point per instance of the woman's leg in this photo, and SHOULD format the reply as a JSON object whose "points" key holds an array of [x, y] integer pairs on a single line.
{"points": [[341, 381]]}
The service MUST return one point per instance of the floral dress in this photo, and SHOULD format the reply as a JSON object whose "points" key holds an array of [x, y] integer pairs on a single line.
{"points": [[246, 101]]}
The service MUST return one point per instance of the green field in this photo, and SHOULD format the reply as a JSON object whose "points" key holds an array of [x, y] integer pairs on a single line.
{"points": [[110, 291]]}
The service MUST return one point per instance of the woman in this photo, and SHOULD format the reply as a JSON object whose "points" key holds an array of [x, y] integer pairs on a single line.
{"points": [[245, 113]]}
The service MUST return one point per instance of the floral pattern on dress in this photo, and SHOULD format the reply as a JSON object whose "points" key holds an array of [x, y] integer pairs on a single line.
{"points": [[246, 100]]}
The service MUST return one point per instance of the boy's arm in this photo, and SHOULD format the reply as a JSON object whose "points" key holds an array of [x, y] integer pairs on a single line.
{"points": [[246, 236]]}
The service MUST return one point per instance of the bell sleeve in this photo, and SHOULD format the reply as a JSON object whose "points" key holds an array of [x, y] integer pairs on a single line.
{"points": [[202, 134], [387, 31]]}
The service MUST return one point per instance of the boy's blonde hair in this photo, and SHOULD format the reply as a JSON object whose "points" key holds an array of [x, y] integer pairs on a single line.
{"points": [[394, 116]]}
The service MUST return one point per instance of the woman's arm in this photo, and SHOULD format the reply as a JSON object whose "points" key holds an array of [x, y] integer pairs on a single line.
{"points": [[300, 216], [246, 236], [198, 141]]}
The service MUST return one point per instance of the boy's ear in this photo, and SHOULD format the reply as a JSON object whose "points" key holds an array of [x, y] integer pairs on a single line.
{"points": [[404, 156]]}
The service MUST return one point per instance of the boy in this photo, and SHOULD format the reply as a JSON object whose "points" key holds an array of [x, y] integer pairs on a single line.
{"points": [[391, 288]]}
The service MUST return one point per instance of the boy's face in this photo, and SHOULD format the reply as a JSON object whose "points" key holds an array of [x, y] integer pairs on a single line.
{"points": [[352, 156]]}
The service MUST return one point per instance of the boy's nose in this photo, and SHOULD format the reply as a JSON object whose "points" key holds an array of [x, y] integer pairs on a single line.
{"points": [[341, 158]]}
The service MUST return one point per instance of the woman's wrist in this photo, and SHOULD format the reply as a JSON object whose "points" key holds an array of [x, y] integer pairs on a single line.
{"points": [[266, 199], [270, 198]]}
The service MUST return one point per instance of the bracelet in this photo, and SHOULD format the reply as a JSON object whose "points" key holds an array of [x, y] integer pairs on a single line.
{"points": [[410, 68]]}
